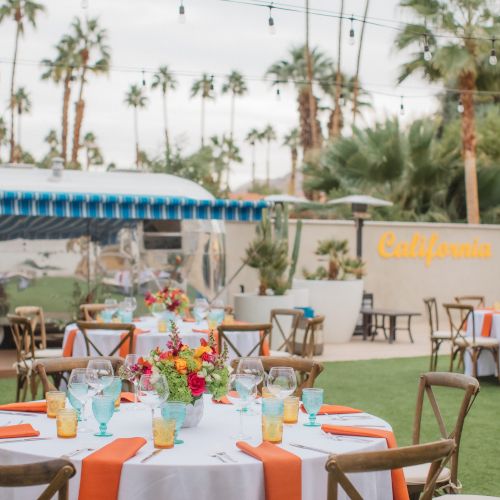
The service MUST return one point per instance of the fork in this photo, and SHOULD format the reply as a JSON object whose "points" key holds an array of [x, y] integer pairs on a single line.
{"points": [[75, 452], [220, 457], [227, 456]]}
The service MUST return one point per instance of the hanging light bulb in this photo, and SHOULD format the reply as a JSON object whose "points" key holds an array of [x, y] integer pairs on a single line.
{"points": [[402, 107], [182, 13], [85, 4], [212, 82], [427, 50], [493, 54], [270, 22], [460, 106], [342, 99], [278, 90], [143, 79], [352, 39]]}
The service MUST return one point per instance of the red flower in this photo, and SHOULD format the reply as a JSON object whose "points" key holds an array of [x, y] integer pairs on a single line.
{"points": [[196, 384], [207, 357]]}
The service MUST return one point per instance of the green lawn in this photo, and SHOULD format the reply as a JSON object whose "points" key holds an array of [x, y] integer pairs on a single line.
{"points": [[387, 388]]}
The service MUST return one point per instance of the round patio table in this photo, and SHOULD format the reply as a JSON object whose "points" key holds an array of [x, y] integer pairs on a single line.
{"points": [[189, 471]]}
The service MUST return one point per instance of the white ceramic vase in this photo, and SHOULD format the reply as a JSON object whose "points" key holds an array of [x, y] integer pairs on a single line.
{"points": [[194, 412]]}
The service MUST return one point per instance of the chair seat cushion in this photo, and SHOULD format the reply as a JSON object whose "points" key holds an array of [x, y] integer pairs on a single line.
{"points": [[441, 334], [279, 354], [480, 342], [48, 353], [467, 497], [417, 474]]}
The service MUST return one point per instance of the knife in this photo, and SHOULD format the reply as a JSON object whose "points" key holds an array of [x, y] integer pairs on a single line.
{"points": [[304, 447], [151, 455], [19, 440]]}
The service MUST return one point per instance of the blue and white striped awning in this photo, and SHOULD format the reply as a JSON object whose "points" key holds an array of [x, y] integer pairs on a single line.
{"points": [[126, 207]]}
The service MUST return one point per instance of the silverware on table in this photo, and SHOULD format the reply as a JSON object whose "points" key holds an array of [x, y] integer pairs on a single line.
{"points": [[24, 413], [227, 456], [220, 457], [341, 437], [151, 455], [311, 448], [20, 440], [76, 452]]}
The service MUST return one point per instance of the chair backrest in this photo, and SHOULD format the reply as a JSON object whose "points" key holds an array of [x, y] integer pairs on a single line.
{"points": [[264, 330], [59, 366], [54, 473], [470, 388], [432, 314], [23, 336], [437, 453], [471, 300], [126, 328], [286, 339], [458, 317], [313, 326], [90, 311], [37, 318], [306, 370]]}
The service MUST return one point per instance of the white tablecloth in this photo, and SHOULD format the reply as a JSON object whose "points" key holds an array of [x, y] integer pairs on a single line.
{"points": [[107, 340], [486, 364], [187, 471]]}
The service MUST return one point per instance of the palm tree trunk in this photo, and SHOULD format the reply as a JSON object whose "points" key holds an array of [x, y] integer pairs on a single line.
{"points": [[268, 164], [87, 151], [467, 86], [18, 152], [254, 180], [136, 134], [12, 84], [202, 121], [80, 106], [165, 126], [231, 135], [335, 130], [309, 69], [355, 89], [293, 174], [65, 112]]}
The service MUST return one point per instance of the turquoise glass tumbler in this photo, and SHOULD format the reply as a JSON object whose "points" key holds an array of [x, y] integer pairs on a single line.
{"points": [[272, 407], [312, 400], [175, 410], [103, 408]]}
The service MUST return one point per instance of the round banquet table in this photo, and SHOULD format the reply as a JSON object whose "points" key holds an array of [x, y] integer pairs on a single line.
{"points": [[188, 471], [106, 340], [486, 363]]}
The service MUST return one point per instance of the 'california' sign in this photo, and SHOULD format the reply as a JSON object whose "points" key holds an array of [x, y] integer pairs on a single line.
{"points": [[429, 248]]}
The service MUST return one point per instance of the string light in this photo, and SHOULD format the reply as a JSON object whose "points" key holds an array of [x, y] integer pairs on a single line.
{"points": [[402, 107], [212, 82], [352, 39], [278, 91], [270, 21], [342, 99], [182, 13], [460, 106], [493, 54], [143, 79], [427, 51]]}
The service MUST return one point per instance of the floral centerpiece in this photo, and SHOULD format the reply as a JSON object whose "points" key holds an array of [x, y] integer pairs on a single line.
{"points": [[174, 300]]}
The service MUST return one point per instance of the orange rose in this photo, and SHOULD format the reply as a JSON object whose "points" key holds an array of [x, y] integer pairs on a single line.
{"points": [[181, 366], [199, 351]]}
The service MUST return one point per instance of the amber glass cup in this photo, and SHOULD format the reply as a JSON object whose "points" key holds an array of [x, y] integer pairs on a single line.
{"points": [[56, 400], [163, 432], [67, 423], [291, 410], [272, 420]]}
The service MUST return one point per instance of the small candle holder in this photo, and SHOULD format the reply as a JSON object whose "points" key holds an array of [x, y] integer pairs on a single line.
{"points": [[291, 410], [67, 423], [56, 400], [163, 432], [272, 420]]}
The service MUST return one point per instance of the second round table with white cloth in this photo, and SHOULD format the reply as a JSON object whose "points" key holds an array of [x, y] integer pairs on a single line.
{"points": [[188, 471]]}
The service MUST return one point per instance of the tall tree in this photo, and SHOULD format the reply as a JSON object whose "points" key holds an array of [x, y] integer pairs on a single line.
{"points": [[3, 136], [268, 135], [292, 140], [136, 99], [204, 87], [457, 55], [61, 69], [20, 11], [237, 87], [336, 128], [224, 151], [52, 140], [93, 153], [312, 104], [253, 137], [22, 104], [355, 83], [94, 57], [164, 80]]}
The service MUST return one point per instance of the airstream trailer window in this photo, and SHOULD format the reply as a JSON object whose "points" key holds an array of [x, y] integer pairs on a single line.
{"points": [[162, 235]]}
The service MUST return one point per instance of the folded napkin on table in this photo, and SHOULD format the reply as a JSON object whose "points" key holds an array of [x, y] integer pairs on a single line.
{"points": [[127, 397], [333, 410], [70, 341], [189, 320], [34, 406], [399, 489], [101, 471], [486, 328], [18, 431], [222, 401], [282, 470]]}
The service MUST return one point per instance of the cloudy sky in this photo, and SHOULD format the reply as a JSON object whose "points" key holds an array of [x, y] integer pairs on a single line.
{"points": [[218, 37]]}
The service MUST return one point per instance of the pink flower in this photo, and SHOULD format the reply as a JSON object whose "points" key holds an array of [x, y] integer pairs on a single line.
{"points": [[207, 357], [196, 384]]}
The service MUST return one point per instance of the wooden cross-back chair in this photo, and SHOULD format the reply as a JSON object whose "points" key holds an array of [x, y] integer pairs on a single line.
{"points": [[126, 328], [37, 319], [54, 473], [470, 300], [286, 339], [448, 479], [438, 337], [90, 312], [459, 316], [306, 370], [313, 327], [437, 454], [264, 330], [58, 369]]}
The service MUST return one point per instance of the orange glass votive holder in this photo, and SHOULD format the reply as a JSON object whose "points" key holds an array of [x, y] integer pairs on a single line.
{"points": [[163, 432], [67, 423], [291, 410], [272, 429], [56, 400]]}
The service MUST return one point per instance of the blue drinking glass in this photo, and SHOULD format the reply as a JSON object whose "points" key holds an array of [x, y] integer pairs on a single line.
{"points": [[272, 407], [125, 316], [175, 410], [106, 315], [103, 408], [76, 404], [114, 389], [312, 400]]}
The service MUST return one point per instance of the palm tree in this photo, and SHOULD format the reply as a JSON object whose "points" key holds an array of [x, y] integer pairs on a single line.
{"points": [[292, 140], [205, 88], [355, 83], [3, 135], [294, 71], [336, 128], [92, 151], [22, 104], [268, 135], [19, 11], [455, 62], [224, 151], [61, 70], [93, 56], [165, 80], [53, 142], [253, 137], [136, 99]]}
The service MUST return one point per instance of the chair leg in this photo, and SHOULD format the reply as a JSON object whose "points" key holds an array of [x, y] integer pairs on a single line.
{"points": [[474, 356], [19, 384]]}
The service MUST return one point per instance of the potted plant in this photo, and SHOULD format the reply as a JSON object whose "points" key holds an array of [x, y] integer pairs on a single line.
{"points": [[335, 290]]}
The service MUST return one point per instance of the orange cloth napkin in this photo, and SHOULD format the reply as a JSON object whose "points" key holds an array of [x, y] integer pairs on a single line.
{"points": [[333, 410], [189, 320], [18, 431], [124, 348], [399, 489], [282, 470], [70, 341], [101, 471], [127, 397], [486, 328], [222, 401], [34, 406]]}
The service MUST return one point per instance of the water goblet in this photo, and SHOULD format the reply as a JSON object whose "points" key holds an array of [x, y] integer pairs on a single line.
{"points": [[99, 374], [103, 408], [114, 389], [200, 310], [252, 366], [111, 306], [312, 400], [175, 410], [153, 390], [241, 391], [281, 381], [79, 393]]}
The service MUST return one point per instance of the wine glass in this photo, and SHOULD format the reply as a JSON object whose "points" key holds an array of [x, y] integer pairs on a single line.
{"points": [[158, 309], [111, 306], [312, 399], [130, 304], [252, 366], [153, 390], [242, 390], [79, 393], [218, 310], [281, 381], [99, 374], [200, 310], [130, 373]]}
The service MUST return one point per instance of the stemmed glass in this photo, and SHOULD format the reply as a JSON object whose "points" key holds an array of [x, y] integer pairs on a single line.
{"points": [[252, 366], [130, 374], [281, 381], [103, 408], [99, 374], [79, 393], [242, 390], [153, 390], [111, 306], [312, 400], [200, 310]]}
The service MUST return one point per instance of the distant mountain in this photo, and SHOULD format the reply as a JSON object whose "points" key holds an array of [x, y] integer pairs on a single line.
{"points": [[279, 183]]}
